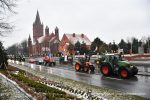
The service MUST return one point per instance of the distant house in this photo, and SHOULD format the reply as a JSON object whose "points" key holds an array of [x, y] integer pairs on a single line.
{"points": [[43, 43], [73, 39]]}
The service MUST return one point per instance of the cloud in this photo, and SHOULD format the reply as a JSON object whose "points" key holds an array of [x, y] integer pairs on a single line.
{"points": [[108, 19]]}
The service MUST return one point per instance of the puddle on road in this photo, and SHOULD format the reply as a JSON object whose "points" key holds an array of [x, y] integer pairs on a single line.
{"points": [[144, 68], [85, 77]]}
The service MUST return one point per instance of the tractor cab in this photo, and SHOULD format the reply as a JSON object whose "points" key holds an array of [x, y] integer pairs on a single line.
{"points": [[113, 59]]}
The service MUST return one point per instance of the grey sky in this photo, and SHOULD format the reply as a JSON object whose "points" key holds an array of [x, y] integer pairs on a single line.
{"points": [[107, 19]]}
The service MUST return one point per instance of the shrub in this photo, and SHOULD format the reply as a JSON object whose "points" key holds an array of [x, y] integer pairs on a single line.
{"points": [[52, 93]]}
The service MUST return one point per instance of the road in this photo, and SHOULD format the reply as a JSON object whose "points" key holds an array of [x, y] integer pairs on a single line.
{"points": [[138, 85]]}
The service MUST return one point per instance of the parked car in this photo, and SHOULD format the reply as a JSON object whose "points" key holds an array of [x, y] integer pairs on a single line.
{"points": [[32, 60]]}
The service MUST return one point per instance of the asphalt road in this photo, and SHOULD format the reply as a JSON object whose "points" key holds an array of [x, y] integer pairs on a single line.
{"points": [[138, 85]]}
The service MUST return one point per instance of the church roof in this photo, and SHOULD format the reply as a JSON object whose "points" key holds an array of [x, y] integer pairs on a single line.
{"points": [[46, 38], [78, 37]]}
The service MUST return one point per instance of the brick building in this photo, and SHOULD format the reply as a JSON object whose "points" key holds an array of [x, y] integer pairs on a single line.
{"points": [[43, 41], [73, 39]]}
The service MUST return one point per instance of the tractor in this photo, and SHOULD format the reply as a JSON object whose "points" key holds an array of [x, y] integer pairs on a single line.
{"points": [[110, 64], [49, 61], [84, 64], [67, 59]]}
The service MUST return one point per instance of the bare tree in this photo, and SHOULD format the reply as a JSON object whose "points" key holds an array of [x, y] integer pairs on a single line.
{"points": [[6, 6]]}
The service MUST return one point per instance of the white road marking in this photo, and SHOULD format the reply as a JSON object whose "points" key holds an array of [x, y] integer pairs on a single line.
{"points": [[114, 78]]}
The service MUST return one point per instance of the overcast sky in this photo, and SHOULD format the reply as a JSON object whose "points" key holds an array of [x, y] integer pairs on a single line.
{"points": [[107, 19]]}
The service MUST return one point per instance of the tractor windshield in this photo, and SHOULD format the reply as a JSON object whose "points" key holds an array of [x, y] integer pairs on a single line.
{"points": [[117, 57]]}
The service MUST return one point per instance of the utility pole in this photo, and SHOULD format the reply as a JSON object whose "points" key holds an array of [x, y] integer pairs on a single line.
{"points": [[148, 46], [131, 48]]}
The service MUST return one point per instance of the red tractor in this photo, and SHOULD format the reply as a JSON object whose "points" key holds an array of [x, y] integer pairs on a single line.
{"points": [[49, 61], [84, 65]]}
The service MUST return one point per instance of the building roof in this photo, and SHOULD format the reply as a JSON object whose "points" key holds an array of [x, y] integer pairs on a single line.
{"points": [[78, 37], [48, 38]]}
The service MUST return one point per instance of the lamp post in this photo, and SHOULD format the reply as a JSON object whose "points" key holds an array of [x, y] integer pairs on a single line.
{"points": [[148, 46], [130, 41], [131, 47]]}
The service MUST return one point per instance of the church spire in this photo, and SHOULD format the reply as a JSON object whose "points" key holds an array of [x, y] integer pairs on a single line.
{"points": [[29, 38], [37, 20]]}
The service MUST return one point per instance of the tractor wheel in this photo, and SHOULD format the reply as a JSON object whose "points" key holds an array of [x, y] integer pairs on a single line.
{"points": [[50, 63], [105, 70], [86, 69], [54, 63], [124, 73], [134, 71], [77, 67]]}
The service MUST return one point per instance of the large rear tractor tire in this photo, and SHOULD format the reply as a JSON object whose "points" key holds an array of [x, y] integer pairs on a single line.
{"points": [[77, 67], [106, 70], [124, 73]]}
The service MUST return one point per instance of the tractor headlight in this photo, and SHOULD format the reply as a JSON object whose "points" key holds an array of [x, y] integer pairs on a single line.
{"points": [[131, 66], [97, 62]]}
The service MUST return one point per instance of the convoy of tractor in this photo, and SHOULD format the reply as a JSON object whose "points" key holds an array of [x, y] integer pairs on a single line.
{"points": [[108, 64]]}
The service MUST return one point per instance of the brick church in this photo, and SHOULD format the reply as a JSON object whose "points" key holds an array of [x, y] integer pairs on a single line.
{"points": [[43, 41]]}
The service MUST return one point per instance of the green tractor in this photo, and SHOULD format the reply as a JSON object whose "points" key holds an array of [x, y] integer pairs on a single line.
{"points": [[114, 64], [67, 59]]}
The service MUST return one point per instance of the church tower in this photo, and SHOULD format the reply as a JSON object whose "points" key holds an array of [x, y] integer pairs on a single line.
{"points": [[57, 32], [37, 28], [30, 46], [47, 31]]}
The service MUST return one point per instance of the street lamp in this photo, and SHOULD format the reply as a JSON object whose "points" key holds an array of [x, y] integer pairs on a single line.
{"points": [[148, 46], [131, 47], [130, 41]]}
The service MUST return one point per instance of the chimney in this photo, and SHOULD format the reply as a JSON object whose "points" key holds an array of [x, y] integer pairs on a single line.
{"points": [[82, 35], [74, 35]]}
